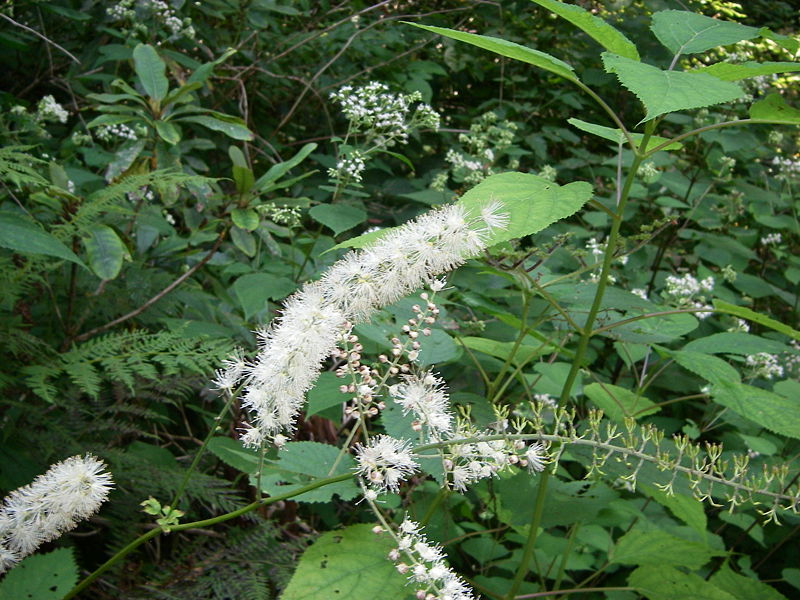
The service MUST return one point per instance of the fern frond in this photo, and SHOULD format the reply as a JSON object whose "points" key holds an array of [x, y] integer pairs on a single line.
{"points": [[20, 168]]}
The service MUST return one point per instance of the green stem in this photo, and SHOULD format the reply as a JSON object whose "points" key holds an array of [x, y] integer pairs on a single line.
{"points": [[198, 524], [530, 543], [201, 450], [434, 505], [490, 393], [565, 556]]}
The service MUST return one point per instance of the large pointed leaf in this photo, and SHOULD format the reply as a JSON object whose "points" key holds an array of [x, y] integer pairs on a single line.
{"points": [[686, 32], [507, 49], [22, 236], [658, 548], [151, 71], [773, 412], [231, 128], [106, 251], [618, 402], [615, 135], [774, 108], [659, 582], [734, 72], [604, 34], [669, 91], [277, 171], [743, 588], [751, 315], [531, 202], [348, 564]]}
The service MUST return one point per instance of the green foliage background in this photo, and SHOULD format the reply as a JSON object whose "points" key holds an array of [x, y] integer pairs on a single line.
{"points": [[185, 195]]}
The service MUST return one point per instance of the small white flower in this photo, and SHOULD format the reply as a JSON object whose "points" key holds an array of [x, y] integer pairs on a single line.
{"points": [[536, 455], [385, 462]]}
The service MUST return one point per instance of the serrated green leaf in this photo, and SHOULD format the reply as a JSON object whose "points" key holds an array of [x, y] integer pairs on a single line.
{"points": [[531, 202], [669, 91], [20, 235], [151, 71], [338, 217], [606, 35], [300, 463], [751, 315], [349, 564], [729, 342], [325, 394], [658, 548], [743, 588], [507, 49], [709, 367], [234, 454], [658, 582], [41, 577], [684, 32], [734, 72], [772, 411], [437, 349], [618, 402], [687, 508], [254, 289], [105, 250], [237, 131], [774, 108], [616, 135]]}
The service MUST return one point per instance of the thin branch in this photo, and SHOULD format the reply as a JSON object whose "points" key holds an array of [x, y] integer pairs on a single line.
{"points": [[85, 336], [39, 35]]}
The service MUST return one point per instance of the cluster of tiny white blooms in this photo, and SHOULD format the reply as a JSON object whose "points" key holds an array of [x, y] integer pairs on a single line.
{"points": [[688, 285], [314, 319], [482, 146], [288, 361], [687, 291], [597, 250], [53, 503], [785, 167], [423, 562], [791, 362], [740, 326], [385, 462], [349, 167], [648, 171], [50, 110], [386, 118], [231, 374], [110, 133], [545, 400], [764, 364], [548, 172], [771, 239], [125, 10], [282, 215], [425, 396], [641, 292]]}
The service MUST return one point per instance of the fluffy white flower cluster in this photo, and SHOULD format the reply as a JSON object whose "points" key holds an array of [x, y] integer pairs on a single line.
{"points": [[468, 463], [292, 349], [426, 568], [50, 110], [385, 117], [764, 364], [110, 133], [426, 397], [52, 504], [786, 167], [771, 239], [385, 462]]}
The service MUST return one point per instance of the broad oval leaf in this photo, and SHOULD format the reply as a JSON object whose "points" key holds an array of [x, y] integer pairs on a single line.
{"points": [[603, 33], [684, 32], [338, 217], [733, 72], [349, 564], [669, 91], [618, 402], [20, 235], [151, 71], [254, 289], [168, 132], [106, 251], [774, 108], [661, 582], [41, 577], [507, 49], [773, 412], [659, 548]]}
